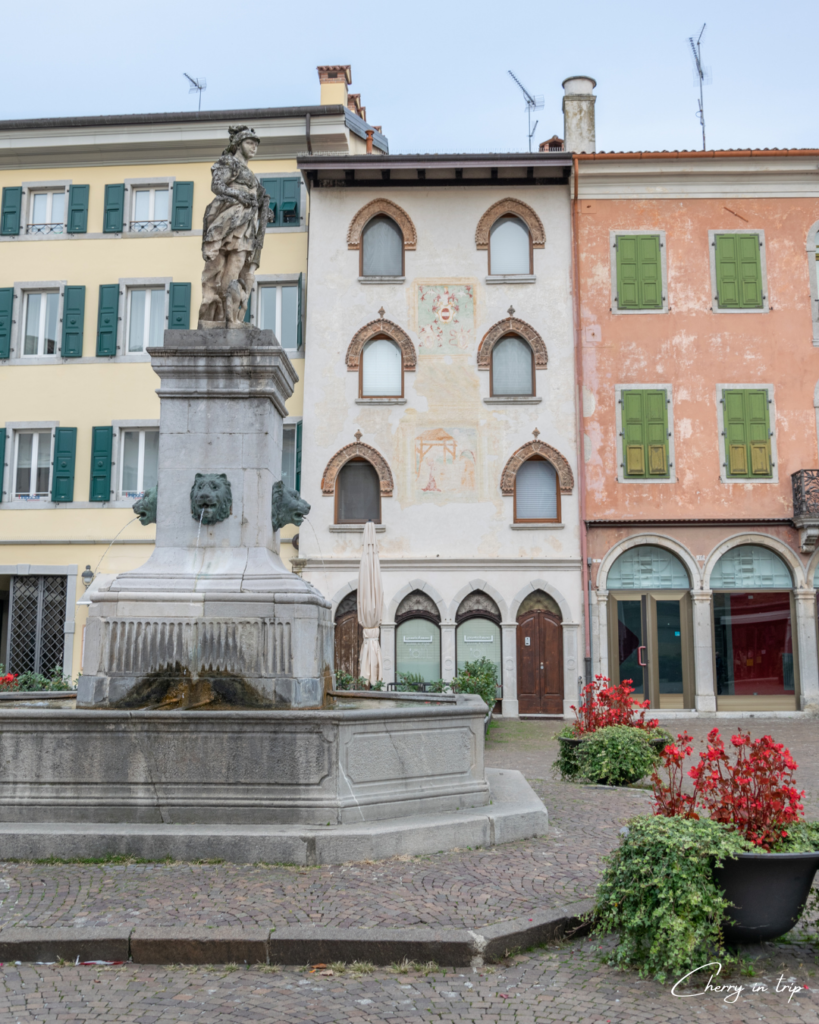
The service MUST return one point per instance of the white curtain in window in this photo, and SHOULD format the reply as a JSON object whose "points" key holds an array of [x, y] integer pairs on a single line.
{"points": [[267, 308], [290, 316], [536, 490], [512, 368], [150, 467], [509, 247], [383, 248], [381, 372]]}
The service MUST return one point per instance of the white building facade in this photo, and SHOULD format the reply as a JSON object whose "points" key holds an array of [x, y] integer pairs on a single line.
{"points": [[439, 401]]}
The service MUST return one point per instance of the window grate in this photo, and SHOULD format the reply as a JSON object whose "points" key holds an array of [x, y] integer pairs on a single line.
{"points": [[37, 633], [148, 226]]}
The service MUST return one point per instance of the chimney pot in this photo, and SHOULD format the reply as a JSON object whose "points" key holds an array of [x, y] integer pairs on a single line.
{"points": [[369, 141], [578, 114]]}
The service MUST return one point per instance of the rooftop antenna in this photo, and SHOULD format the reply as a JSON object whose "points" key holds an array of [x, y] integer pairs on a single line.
{"points": [[197, 85], [702, 75], [532, 103]]}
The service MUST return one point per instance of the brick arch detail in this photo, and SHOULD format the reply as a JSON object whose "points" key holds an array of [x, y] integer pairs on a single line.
{"points": [[562, 467], [517, 208], [409, 357], [357, 450], [389, 209], [512, 326]]}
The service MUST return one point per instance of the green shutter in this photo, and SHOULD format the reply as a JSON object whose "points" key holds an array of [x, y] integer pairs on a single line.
{"points": [[73, 321], [645, 433], [299, 322], [628, 295], [247, 309], [179, 316], [182, 213], [11, 210], [639, 272], [291, 194], [273, 187], [78, 209], [114, 211], [65, 451], [2, 458], [6, 306], [739, 271], [102, 441], [107, 320], [298, 456], [747, 433]]}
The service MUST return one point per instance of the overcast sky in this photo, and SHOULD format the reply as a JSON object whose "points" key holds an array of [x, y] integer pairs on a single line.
{"points": [[433, 73]]}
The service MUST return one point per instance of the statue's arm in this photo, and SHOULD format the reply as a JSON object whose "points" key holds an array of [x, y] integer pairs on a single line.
{"points": [[220, 186]]}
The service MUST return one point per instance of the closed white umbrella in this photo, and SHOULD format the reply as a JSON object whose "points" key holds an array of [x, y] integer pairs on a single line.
{"points": [[370, 600]]}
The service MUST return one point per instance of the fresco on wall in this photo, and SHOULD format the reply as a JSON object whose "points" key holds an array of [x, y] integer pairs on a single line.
{"points": [[446, 318], [445, 463]]}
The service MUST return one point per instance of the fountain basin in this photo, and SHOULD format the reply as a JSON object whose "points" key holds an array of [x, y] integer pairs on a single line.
{"points": [[389, 759]]}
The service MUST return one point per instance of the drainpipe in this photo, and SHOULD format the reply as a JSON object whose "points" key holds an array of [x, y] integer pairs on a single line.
{"points": [[581, 437], [307, 133]]}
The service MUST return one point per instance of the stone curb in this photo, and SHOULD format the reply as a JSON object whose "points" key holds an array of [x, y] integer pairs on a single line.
{"points": [[293, 945]]}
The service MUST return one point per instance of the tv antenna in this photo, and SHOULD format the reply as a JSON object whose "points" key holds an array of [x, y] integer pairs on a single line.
{"points": [[532, 103], [702, 75], [197, 85]]}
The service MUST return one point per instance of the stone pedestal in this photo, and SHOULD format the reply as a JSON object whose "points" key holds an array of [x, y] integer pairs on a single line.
{"points": [[214, 606]]}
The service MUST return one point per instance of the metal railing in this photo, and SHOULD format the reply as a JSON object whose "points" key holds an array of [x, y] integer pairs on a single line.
{"points": [[147, 227], [805, 493], [45, 229]]}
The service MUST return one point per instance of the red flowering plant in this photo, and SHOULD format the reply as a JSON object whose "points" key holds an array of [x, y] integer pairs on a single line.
{"points": [[603, 705], [755, 793], [8, 682]]}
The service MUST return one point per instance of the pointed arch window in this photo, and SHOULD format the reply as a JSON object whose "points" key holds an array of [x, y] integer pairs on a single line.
{"points": [[358, 493], [382, 248], [537, 495], [513, 368], [510, 247], [382, 369]]}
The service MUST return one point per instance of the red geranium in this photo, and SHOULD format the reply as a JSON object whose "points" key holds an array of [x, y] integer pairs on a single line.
{"points": [[610, 705], [8, 682]]}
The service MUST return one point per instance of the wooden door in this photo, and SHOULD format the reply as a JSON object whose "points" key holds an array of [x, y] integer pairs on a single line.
{"points": [[349, 635], [540, 664]]}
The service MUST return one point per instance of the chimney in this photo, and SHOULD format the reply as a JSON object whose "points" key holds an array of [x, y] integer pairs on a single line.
{"points": [[553, 145], [334, 80], [354, 104], [578, 114]]}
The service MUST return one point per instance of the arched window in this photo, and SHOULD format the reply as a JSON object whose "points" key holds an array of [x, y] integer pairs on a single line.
{"points": [[513, 368], [418, 639], [348, 636], [358, 493], [537, 498], [381, 370], [478, 634], [647, 567], [382, 248], [510, 247]]}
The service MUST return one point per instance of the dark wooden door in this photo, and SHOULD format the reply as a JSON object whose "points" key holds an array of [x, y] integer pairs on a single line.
{"points": [[349, 635], [540, 664]]}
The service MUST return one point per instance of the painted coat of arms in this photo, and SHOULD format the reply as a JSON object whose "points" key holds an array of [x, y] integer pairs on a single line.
{"points": [[446, 318]]}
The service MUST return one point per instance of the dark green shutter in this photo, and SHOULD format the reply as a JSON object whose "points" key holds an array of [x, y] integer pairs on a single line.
{"points": [[656, 414], [298, 456], [736, 433], [299, 328], [107, 320], [182, 212], [639, 272], [759, 436], [634, 439], [78, 209], [645, 433], [102, 441], [739, 271], [6, 306], [11, 210], [73, 321], [247, 309], [273, 187], [2, 458], [179, 316], [65, 451], [114, 211], [291, 193], [747, 433]]}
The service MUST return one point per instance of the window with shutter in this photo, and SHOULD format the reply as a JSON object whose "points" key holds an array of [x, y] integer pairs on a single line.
{"points": [[747, 433], [107, 320], [11, 210], [102, 439], [285, 200], [6, 306], [65, 450], [114, 211], [179, 316], [738, 265], [645, 433], [2, 458], [78, 209], [182, 211], [381, 369], [31, 475], [73, 321], [639, 272]]}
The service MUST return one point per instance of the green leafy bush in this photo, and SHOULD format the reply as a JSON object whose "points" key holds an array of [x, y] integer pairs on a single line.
{"points": [[659, 893], [479, 677], [345, 681], [616, 755], [31, 681], [413, 682]]}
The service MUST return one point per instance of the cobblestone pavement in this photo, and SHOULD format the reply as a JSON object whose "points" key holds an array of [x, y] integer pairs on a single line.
{"points": [[565, 983]]}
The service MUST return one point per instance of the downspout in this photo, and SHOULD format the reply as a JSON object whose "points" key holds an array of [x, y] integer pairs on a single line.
{"points": [[581, 437], [307, 134]]}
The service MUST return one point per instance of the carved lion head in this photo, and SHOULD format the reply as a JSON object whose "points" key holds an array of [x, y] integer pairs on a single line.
{"points": [[145, 507], [211, 498], [288, 507]]}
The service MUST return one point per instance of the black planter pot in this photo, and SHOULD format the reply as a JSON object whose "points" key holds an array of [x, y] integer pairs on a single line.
{"points": [[768, 892]]}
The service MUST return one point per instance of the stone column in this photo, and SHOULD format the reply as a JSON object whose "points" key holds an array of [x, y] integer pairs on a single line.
{"points": [[805, 601], [571, 672], [509, 668], [388, 651], [602, 646], [448, 664], [704, 688]]}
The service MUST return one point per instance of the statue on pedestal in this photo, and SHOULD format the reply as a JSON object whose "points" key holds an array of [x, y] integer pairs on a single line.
{"points": [[233, 233]]}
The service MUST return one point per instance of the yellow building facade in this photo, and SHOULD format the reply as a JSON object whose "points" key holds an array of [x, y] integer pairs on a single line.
{"points": [[100, 237]]}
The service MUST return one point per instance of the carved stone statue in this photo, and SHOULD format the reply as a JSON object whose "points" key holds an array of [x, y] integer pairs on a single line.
{"points": [[145, 507], [288, 506], [233, 233], [211, 498]]}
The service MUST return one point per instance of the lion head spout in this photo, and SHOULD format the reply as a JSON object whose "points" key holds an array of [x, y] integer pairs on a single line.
{"points": [[288, 506], [145, 507], [211, 498]]}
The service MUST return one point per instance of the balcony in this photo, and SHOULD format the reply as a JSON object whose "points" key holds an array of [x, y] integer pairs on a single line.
{"points": [[45, 229], [806, 507], [147, 227]]}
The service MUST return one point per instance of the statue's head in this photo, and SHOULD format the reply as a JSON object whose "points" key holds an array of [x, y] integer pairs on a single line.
{"points": [[145, 507], [211, 498], [244, 138], [288, 506]]}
